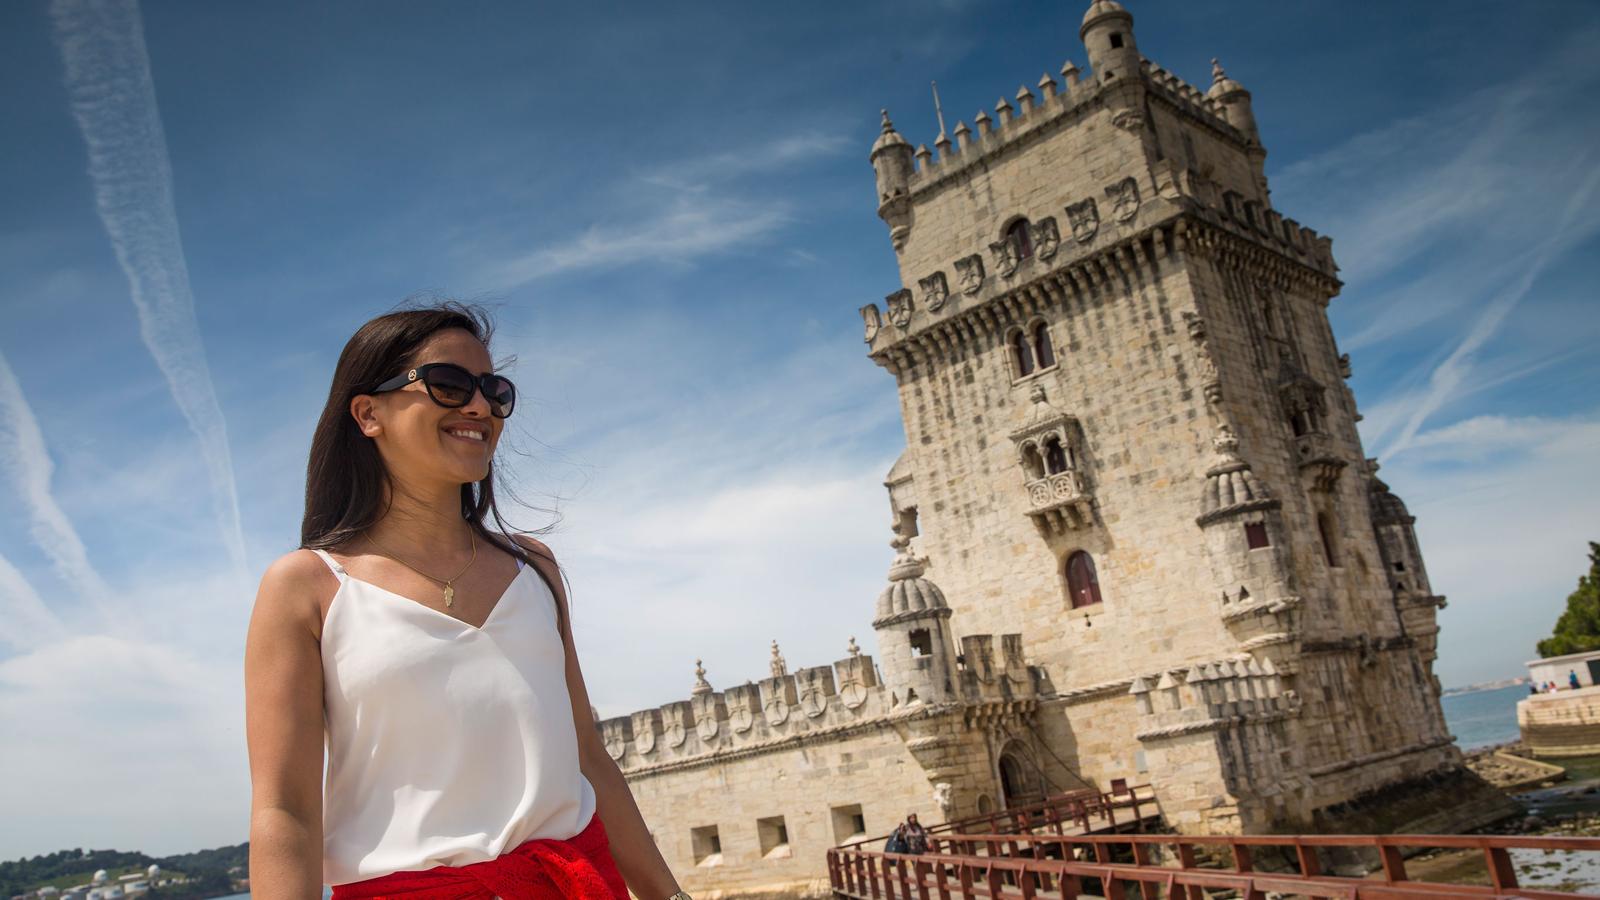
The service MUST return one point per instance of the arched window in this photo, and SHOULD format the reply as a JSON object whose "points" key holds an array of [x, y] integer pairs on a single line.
{"points": [[1021, 243], [1082, 582], [1042, 350], [1022, 353], [1055, 458], [1330, 547], [1032, 462]]}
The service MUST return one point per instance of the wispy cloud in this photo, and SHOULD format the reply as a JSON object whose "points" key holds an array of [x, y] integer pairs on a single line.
{"points": [[25, 620], [113, 99], [675, 213], [687, 228], [26, 461], [1426, 211], [1450, 374]]}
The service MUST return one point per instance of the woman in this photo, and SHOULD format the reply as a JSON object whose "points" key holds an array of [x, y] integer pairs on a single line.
{"points": [[462, 757]]}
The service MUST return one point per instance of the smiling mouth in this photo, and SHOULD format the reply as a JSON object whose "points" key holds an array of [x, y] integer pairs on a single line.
{"points": [[483, 442]]}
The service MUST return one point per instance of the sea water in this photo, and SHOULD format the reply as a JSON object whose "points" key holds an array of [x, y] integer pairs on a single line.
{"points": [[1482, 718]]}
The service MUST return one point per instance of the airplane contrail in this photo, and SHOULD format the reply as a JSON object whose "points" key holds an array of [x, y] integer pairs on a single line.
{"points": [[25, 460], [114, 101]]}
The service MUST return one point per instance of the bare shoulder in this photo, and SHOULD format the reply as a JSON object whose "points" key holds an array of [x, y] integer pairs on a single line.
{"points": [[531, 543], [546, 561], [296, 590]]}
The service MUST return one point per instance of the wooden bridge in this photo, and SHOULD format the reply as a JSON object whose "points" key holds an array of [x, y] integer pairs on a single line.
{"points": [[1068, 847]]}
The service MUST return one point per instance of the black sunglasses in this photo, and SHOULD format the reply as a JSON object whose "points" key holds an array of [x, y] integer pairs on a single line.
{"points": [[451, 386]]}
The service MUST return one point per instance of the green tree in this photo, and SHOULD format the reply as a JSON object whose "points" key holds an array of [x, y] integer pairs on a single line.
{"points": [[1578, 629]]}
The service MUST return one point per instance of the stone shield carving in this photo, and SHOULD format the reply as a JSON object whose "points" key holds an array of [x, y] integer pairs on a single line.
{"points": [[1085, 220], [676, 733], [706, 727], [1004, 253], [935, 291], [616, 746], [869, 317], [741, 718], [813, 701], [775, 710], [1046, 237], [1124, 199], [899, 308], [645, 739], [853, 694], [969, 272]]}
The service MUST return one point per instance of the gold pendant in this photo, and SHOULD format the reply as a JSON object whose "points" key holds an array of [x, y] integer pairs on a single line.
{"points": [[449, 595]]}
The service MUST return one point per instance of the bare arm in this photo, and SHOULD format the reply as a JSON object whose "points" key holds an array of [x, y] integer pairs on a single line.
{"points": [[637, 856], [284, 728]]}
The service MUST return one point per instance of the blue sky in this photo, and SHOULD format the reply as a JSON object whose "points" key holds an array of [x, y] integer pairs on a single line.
{"points": [[670, 211]]}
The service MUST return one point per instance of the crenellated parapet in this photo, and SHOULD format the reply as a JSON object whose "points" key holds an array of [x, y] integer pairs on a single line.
{"points": [[1213, 696]]}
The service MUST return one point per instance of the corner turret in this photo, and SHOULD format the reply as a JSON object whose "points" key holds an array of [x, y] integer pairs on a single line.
{"points": [[1107, 34], [893, 161], [913, 625], [1235, 101]]}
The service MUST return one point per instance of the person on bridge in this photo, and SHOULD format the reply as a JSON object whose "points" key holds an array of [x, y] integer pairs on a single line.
{"points": [[916, 835], [1572, 679]]}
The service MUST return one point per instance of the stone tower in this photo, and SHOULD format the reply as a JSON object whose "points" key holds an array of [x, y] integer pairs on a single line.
{"points": [[1130, 440]]}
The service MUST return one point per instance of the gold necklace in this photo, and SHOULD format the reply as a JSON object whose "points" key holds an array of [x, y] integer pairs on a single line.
{"points": [[449, 586]]}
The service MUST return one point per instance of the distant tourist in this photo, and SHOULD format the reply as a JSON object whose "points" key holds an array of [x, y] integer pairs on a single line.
{"points": [[399, 486], [897, 841], [916, 835], [1533, 689], [1572, 679]]}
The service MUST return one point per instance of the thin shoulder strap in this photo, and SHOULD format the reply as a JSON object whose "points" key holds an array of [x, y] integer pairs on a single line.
{"points": [[520, 563], [333, 564]]}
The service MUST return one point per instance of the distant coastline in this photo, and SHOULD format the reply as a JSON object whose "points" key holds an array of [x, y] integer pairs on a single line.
{"points": [[1485, 686]]}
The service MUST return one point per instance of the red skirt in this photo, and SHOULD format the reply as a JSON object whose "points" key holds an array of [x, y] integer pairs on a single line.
{"points": [[539, 869]]}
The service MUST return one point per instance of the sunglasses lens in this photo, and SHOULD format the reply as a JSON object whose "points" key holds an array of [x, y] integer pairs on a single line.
{"points": [[502, 396], [450, 386]]}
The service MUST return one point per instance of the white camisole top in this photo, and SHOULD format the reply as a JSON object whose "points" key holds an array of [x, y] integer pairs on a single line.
{"points": [[446, 744]]}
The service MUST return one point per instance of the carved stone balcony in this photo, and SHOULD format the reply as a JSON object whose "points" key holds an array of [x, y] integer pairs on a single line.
{"points": [[1317, 459], [1060, 502]]}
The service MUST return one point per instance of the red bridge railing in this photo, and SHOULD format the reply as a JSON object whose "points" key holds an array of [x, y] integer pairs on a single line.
{"points": [[1029, 866], [1085, 810]]}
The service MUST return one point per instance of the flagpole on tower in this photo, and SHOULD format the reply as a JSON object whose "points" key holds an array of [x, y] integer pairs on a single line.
{"points": [[938, 110]]}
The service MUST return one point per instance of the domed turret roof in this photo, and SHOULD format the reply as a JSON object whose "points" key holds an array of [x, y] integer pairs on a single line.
{"points": [[1387, 508], [1100, 9], [1221, 84], [909, 595], [889, 137]]}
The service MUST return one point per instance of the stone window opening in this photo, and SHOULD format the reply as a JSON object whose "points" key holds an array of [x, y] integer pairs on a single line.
{"points": [[1116, 40], [1017, 236], [1330, 550], [908, 521], [1032, 462], [1083, 583], [1056, 458], [1021, 354], [849, 823], [921, 642], [774, 837], [1399, 566], [706, 845], [1042, 351], [1255, 535]]}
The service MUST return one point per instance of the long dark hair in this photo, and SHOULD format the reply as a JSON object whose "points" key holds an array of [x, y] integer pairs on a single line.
{"points": [[345, 476]]}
